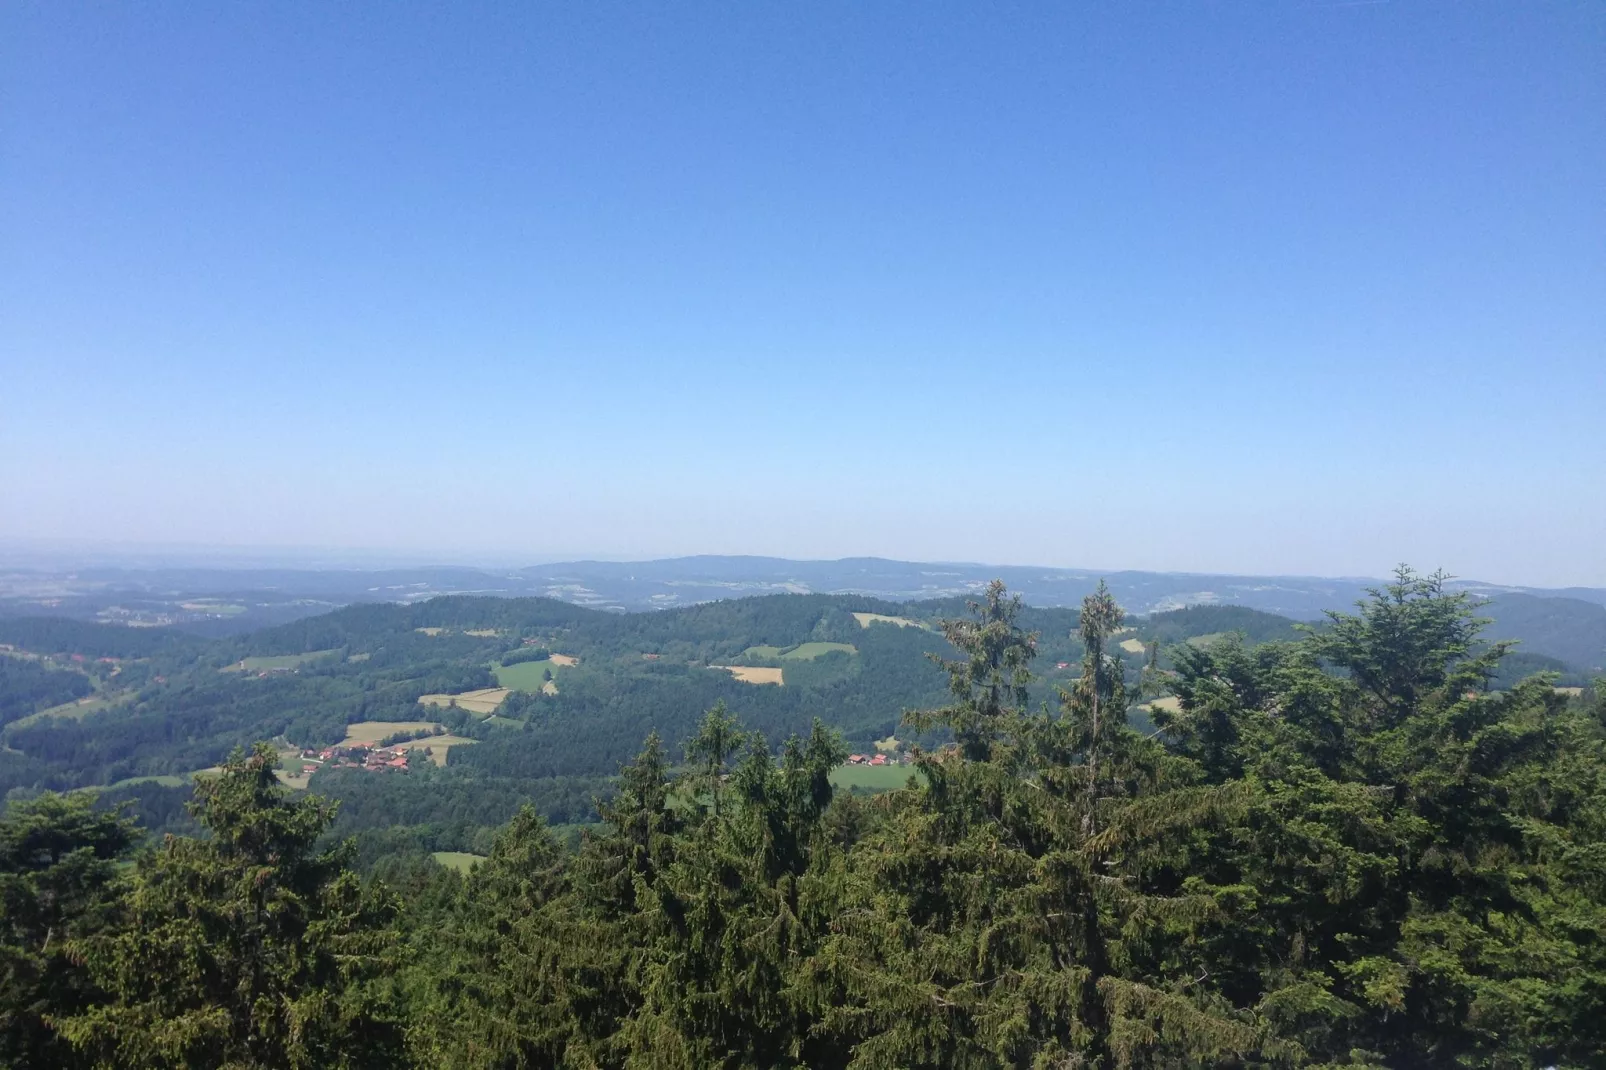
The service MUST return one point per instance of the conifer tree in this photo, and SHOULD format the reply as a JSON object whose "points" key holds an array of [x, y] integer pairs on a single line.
{"points": [[58, 884], [251, 948]]}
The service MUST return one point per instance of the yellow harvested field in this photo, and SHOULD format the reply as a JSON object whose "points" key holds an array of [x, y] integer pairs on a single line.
{"points": [[371, 732], [437, 746], [430, 631], [485, 700], [888, 745], [563, 659], [549, 688], [482, 633], [867, 619], [752, 674], [1133, 646], [1170, 703], [1573, 691]]}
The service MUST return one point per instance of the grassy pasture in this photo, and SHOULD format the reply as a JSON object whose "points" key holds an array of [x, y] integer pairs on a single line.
{"points": [[810, 651], [483, 701], [73, 711], [867, 619], [872, 778], [764, 651], [1169, 703], [277, 661], [526, 675], [461, 861], [751, 674]]}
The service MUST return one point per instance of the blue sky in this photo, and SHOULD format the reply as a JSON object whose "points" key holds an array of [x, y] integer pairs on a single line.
{"points": [[1258, 287]]}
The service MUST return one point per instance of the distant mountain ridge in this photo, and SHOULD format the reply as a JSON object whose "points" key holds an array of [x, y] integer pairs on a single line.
{"points": [[213, 601]]}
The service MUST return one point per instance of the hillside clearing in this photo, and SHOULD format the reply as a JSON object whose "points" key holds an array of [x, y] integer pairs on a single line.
{"points": [[1133, 646], [563, 659], [461, 861], [810, 651], [278, 662], [485, 700], [753, 674], [528, 675], [867, 619]]}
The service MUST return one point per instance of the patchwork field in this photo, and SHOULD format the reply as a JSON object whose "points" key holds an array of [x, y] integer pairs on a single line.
{"points": [[369, 733], [753, 674], [483, 701], [277, 661], [810, 651], [461, 861], [529, 675], [867, 619], [1133, 646]]}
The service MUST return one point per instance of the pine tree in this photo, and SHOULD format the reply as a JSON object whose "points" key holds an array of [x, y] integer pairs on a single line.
{"points": [[251, 948], [58, 884]]}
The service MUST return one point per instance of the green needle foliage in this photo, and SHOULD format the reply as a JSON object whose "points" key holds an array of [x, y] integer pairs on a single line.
{"points": [[248, 948], [1340, 850]]}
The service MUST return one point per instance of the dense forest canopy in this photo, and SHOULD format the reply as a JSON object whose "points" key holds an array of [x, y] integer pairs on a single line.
{"points": [[1341, 848]]}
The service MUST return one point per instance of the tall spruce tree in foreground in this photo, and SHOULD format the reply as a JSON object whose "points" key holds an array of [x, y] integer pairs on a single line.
{"points": [[59, 884], [1421, 878], [1004, 916], [248, 949]]}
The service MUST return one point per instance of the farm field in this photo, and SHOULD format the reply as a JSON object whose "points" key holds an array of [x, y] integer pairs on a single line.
{"points": [[461, 861], [278, 661], [752, 674], [1169, 703], [872, 778], [527, 675], [371, 732], [867, 619], [764, 651], [564, 660], [810, 651], [483, 701], [1133, 646]]}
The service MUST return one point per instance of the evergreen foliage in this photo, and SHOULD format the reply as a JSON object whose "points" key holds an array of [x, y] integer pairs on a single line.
{"points": [[1344, 848]]}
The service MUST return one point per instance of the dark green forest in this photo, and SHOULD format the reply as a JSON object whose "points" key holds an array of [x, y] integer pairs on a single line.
{"points": [[1350, 845]]}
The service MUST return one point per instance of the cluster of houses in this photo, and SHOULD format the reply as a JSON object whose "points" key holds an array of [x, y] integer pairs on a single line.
{"points": [[356, 756], [874, 759]]}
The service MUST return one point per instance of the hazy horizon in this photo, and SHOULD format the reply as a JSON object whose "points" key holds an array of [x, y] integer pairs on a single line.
{"points": [[1256, 290], [68, 554]]}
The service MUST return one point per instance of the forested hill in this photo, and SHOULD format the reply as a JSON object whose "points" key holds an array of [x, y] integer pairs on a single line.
{"points": [[1342, 850], [141, 710]]}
